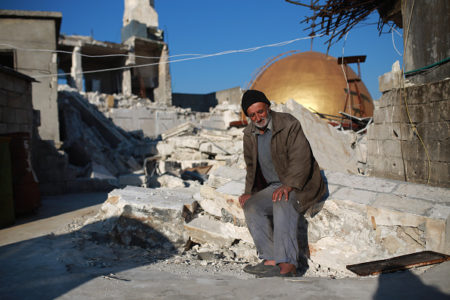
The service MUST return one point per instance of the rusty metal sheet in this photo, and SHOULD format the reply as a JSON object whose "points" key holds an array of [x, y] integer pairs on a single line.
{"points": [[398, 263]]}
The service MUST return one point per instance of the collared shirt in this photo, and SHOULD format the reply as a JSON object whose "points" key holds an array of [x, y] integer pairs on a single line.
{"points": [[264, 154]]}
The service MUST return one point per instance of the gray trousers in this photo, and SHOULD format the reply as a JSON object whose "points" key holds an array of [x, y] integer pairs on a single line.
{"points": [[277, 242]]}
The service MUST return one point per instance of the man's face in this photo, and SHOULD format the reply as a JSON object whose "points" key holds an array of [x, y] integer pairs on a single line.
{"points": [[259, 114]]}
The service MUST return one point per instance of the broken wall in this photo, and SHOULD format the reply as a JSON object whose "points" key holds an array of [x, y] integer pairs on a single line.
{"points": [[394, 147], [35, 30]]}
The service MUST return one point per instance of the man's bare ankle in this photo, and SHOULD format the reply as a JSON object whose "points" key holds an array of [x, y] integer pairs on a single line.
{"points": [[286, 268], [269, 263]]}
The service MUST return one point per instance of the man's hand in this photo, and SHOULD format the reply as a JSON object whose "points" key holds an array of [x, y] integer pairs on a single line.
{"points": [[243, 198], [280, 192]]}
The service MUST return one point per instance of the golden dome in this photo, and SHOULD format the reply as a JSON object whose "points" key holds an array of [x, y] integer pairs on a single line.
{"points": [[314, 80]]}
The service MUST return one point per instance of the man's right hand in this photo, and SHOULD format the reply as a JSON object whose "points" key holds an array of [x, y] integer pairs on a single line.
{"points": [[243, 198]]}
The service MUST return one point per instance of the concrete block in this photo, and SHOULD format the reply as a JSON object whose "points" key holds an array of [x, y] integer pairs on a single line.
{"points": [[208, 230], [213, 202], [235, 188], [436, 90], [438, 150], [435, 235], [360, 182], [355, 195], [396, 114], [391, 80], [443, 107], [388, 217], [412, 150], [165, 149], [379, 115], [140, 216], [438, 131], [170, 181], [417, 94], [25, 128], [3, 128], [224, 174], [433, 194], [439, 211], [22, 116], [3, 98], [440, 174], [191, 142], [401, 203], [9, 115], [416, 171], [392, 148]]}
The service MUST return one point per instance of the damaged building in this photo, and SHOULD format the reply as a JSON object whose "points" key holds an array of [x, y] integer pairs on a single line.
{"points": [[139, 65], [176, 172]]}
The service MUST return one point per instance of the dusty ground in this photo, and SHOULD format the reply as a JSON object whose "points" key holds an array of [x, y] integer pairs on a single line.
{"points": [[46, 256]]}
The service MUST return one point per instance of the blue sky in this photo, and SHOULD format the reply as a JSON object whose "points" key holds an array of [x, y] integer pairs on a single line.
{"points": [[212, 26]]}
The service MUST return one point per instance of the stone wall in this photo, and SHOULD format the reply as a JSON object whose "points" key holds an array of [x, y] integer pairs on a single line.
{"points": [[395, 150], [16, 108], [35, 30]]}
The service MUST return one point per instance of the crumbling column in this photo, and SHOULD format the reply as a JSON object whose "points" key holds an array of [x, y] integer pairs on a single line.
{"points": [[163, 92], [76, 70]]}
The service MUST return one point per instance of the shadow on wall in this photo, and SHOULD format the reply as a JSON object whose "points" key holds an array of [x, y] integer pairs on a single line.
{"points": [[406, 285], [50, 266]]}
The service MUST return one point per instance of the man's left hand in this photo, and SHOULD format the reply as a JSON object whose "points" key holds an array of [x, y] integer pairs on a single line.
{"points": [[280, 192]]}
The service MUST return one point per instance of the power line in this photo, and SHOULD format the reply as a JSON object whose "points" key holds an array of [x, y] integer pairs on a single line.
{"points": [[197, 56]]}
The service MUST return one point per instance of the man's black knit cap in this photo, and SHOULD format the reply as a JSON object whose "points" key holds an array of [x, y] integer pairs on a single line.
{"points": [[252, 96]]}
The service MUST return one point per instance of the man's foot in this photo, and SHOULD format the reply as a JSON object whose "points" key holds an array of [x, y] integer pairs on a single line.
{"points": [[281, 270], [260, 268]]}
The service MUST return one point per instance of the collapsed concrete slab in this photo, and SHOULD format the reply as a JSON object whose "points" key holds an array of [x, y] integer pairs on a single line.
{"points": [[334, 150], [142, 217]]}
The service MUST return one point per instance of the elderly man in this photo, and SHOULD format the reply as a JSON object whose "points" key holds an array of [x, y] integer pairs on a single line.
{"points": [[283, 179]]}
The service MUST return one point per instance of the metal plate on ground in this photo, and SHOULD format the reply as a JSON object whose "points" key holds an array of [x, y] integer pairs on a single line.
{"points": [[398, 263]]}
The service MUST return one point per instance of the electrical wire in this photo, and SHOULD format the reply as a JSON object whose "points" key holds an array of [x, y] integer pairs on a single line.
{"points": [[345, 74], [94, 56], [393, 41], [252, 49]]}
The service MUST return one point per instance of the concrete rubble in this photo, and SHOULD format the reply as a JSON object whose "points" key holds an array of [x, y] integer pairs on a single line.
{"points": [[97, 146], [189, 202]]}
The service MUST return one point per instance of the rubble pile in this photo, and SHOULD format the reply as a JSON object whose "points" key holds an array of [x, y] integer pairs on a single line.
{"points": [[96, 145], [189, 204]]}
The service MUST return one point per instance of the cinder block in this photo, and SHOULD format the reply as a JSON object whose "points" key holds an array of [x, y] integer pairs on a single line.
{"points": [[379, 115], [443, 110], [9, 115], [416, 113], [416, 94], [410, 150], [13, 127], [7, 82], [434, 131], [396, 114], [440, 174], [3, 98], [373, 147], [416, 171], [25, 128], [21, 116], [435, 91], [392, 148], [3, 128]]}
